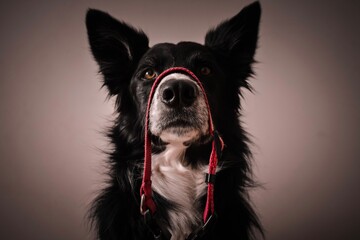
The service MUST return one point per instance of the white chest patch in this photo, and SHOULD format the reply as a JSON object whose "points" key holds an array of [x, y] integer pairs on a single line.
{"points": [[181, 185]]}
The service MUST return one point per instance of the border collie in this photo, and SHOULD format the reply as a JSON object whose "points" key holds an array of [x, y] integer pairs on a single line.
{"points": [[178, 129]]}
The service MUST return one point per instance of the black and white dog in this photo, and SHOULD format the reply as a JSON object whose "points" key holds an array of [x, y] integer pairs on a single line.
{"points": [[179, 129]]}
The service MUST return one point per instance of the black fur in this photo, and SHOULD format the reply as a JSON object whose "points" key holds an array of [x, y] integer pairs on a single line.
{"points": [[123, 55]]}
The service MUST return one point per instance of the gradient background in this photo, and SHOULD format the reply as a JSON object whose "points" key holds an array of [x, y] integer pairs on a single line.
{"points": [[303, 116]]}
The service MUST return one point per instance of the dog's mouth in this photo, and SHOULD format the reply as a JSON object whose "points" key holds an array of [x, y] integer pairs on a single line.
{"points": [[178, 112], [179, 124], [181, 131]]}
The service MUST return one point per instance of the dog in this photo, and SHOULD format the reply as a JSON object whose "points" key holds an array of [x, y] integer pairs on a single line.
{"points": [[178, 129]]}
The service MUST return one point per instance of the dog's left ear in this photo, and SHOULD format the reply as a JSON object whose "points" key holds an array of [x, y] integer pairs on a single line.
{"points": [[236, 39]]}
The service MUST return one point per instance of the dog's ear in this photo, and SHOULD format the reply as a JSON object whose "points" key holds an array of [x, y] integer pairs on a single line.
{"points": [[116, 46], [236, 39]]}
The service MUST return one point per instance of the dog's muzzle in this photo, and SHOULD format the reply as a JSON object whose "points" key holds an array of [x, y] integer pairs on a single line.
{"points": [[178, 110]]}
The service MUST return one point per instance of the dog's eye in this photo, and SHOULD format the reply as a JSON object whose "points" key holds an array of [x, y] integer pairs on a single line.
{"points": [[150, 74], [206, 71]]}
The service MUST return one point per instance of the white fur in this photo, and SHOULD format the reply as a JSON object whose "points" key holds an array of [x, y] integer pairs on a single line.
{"points": [[180, 184]]}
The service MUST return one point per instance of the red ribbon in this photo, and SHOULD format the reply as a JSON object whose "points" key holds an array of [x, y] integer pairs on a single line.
{"points": [[147, 202]]}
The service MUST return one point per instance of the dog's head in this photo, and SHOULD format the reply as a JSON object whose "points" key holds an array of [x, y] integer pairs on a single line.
{"points": [[178, 111]]}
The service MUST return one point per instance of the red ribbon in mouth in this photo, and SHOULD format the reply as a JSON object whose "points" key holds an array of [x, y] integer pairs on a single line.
{"points": [[147, 202]]}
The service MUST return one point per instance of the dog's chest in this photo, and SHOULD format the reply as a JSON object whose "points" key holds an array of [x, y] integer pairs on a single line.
{"points": [[182, 186]]}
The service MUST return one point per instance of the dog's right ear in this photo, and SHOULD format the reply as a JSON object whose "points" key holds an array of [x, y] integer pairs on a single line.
{"points": [[235, 40], [117, 47]]}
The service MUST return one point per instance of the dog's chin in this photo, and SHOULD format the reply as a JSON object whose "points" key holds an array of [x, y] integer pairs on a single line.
{"points": [[180, 135], [179, 131]]}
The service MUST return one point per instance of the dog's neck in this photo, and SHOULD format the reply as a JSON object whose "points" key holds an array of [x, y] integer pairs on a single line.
{"points": [[180, 184]]}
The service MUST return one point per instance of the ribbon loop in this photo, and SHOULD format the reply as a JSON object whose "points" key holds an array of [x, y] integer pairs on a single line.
{"points": [[147, 202]]}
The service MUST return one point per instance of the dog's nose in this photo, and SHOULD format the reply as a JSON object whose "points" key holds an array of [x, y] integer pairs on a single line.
{"points": [[179, 93]]}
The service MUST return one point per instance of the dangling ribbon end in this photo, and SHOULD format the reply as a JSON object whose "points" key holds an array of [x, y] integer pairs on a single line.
{"points": [[146, 200]]}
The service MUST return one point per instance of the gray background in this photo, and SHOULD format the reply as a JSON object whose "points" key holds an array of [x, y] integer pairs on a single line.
{"points": [[303, 116]]}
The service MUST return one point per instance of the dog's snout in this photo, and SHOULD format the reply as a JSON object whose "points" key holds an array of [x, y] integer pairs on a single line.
{"points": [[179, 93]]}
